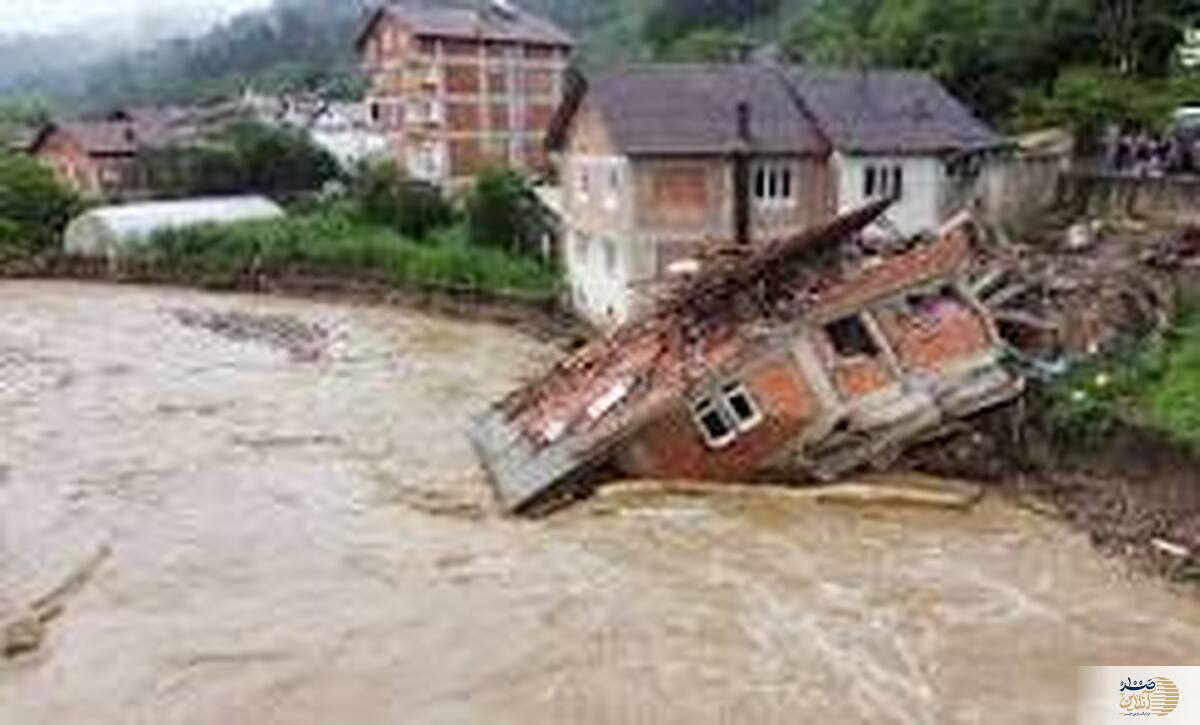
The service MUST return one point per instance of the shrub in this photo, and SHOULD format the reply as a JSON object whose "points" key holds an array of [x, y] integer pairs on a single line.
{"points": [[503, 212], [413, 208], [34, 207], [336, 241], [249, 158]]}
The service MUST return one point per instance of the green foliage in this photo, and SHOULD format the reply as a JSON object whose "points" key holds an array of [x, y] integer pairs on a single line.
{"points": [[503, 212], [249, 158], [1155, 384], [34, 207], [706, 45], [413, 208], [21, 114], [335, 241], [994, 53], [1087, 100], [670, 20]]}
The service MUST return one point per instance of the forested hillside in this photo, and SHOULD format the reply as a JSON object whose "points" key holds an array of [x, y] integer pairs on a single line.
{"points": [[1009, 58]]}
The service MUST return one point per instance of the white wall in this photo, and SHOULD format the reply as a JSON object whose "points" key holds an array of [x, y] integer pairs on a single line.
{"points": [[598, 275], [600, 263], [352, 146], [918, 210]]}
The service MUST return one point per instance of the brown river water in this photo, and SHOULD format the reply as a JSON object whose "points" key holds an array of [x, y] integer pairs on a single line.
{"points": [[300, 534]]}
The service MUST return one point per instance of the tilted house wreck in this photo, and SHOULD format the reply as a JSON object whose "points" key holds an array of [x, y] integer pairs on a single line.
{"points": [[804, 358]]}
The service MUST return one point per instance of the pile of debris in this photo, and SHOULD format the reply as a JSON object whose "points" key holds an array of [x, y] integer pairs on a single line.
{"points": [[806, 358], [1076, 295]]}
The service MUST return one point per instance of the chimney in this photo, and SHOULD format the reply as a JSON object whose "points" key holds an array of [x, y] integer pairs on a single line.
{"points": [[741, 176]]}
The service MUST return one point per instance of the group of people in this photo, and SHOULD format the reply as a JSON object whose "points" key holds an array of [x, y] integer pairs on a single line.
{"points": [[1148, 155]]}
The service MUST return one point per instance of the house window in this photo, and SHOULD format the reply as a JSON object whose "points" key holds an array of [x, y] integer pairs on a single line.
{"points": [[851, 338], [718, 430], [584, 184], [746, 414], [773, 184], [610, 257], [424, 162], [723, 417], [581, 249], [425, 110], [614, 188], [883, 180]]}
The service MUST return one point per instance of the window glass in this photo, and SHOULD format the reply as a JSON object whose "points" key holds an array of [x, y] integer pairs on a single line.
{"points": [[718, 431], [850, 338], [898, 181], [742, 406], [869, 182]]}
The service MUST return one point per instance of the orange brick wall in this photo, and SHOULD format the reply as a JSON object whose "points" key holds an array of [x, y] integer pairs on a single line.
{"points": [[462, 79], [397, 65], [673, 447], [928, 344]]}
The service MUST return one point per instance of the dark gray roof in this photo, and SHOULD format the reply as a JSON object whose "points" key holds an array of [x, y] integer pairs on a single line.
{"points": [[889, 112], [492, 23], [692, 109]]}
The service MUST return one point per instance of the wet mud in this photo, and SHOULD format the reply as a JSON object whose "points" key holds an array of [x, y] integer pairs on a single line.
{"points": [[308, 539]]}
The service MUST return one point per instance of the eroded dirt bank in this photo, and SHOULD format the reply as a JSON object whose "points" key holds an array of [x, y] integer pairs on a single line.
{"points": [[298, 533]]}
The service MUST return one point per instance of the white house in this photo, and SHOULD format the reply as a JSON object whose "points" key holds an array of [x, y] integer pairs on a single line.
{"points": [[347, 132], [898, 133]]}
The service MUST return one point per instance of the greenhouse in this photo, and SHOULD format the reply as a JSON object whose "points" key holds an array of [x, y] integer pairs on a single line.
{"points": [[109, 231]]}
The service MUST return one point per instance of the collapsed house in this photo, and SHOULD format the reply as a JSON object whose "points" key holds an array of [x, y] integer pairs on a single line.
{"points": [[806, 358]]}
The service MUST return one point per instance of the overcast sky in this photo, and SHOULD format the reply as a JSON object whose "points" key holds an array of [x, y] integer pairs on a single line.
{"points": [[120, 17]]}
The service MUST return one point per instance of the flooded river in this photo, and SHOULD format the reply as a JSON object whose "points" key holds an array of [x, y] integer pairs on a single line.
{"points": [[299, 534]]}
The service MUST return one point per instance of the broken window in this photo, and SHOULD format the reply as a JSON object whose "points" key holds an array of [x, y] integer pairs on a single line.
{"points": [[718, 430], [745, 412], [851, 338]]}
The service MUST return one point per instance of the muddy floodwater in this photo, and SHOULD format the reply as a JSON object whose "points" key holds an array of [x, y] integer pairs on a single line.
{"points": [[299, 534]]}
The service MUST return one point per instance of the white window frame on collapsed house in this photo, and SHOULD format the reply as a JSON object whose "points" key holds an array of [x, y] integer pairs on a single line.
{"points": [[726, 414], [774, 184], [881, 180]]}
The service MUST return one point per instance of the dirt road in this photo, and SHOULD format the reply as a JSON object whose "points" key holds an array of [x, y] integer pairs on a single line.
{"points": [[299, 534]]}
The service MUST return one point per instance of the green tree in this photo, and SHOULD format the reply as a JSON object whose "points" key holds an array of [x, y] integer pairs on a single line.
{"points": [[502, 211], [34, 207], [413, 208]]}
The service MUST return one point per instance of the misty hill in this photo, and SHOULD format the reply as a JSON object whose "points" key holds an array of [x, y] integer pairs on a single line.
{"points": [[307, 44]]}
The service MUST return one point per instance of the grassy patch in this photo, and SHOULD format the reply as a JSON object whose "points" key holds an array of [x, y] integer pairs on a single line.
{"points": [[337, 241], [1154, 385]]}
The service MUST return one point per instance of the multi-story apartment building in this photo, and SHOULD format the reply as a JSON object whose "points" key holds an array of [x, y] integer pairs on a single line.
{"points": [[459, 90]]}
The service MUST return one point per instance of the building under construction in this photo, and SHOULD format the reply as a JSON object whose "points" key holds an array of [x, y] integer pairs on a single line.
{"points": [[802, 359]]}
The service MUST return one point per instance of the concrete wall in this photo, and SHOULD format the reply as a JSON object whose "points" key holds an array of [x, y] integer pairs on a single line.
{"points": [[1165, 201], [1019, 188]]}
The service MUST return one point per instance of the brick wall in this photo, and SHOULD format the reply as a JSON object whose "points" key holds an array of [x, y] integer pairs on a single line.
{"points": [[673, 447]]}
